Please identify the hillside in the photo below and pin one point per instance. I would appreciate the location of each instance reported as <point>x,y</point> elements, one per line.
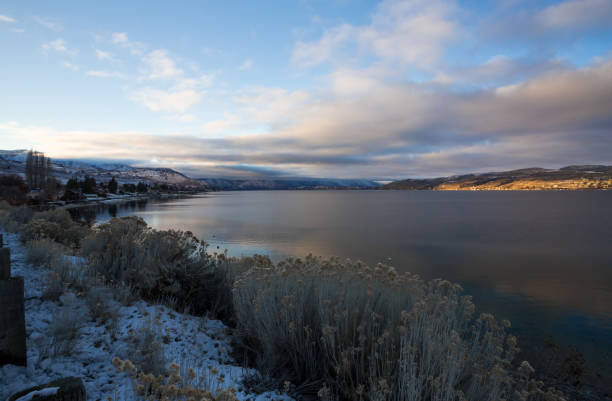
<point>236,184</point>
<point>566,178</point>
<point>13,162</point>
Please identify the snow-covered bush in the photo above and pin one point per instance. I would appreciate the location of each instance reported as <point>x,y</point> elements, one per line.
<point>44,252</point>
<point>178,383</point>
<point>65,328</point>
<point>157,264</point>
<point>12,218</point>
<point>55,225</point>
<point>358,333</point>
<point>146,350</point>
<point>102,307</point>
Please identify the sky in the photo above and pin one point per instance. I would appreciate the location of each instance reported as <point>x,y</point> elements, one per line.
<point>337,88</point>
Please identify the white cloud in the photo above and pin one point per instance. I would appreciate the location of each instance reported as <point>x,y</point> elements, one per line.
<point>161,66</point>
<point>102,55</point>
<point>312,53</point>
<point>168,101</point>
<point>119,38</point>
<point>412,32</point>
<point>246,65</point>
<point>58,45</point>
<point>6,18</point>
<point>106,74</point>
<point>50,23</point>
<point>575,14</point>
<point>203,81</point>
<point>184,118</point>
<point>70,66</point>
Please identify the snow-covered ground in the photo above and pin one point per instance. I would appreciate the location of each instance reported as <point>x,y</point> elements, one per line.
<point>189,341</point>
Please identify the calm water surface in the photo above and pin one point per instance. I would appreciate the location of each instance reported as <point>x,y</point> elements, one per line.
<point>541,259</point>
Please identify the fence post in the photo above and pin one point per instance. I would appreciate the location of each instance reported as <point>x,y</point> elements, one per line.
<point>12,314</point>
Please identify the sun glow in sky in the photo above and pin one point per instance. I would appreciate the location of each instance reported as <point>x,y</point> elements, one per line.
<point>338,88</point>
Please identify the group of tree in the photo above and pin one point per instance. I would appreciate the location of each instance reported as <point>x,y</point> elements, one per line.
<point>39,173</point>
<point>87,185</point>
<point>141,187</point>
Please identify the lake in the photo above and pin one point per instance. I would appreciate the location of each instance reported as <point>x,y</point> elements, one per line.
<point>543,260</point>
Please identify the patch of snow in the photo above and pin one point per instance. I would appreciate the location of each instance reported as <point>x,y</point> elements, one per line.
<point>43,393</point>
<point>190,341</point>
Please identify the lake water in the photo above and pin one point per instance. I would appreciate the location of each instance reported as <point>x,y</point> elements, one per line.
<point>543,260</point>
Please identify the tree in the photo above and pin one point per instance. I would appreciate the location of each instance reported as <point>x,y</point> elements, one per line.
<point>73,184</point>
<point>88,185</point>
<point>29,168</point>
<point>142,187</point>
<point>112,186</point>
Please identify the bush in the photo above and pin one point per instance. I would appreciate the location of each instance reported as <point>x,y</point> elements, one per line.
<point>65,273</point>
<point>158,264</point>
<point>13,189</point>
<point>357,333</point>
<point>44,252</point>
<point>12,218</point>
<point>102,307</point>
<point>146,350</point>
<point>178,383</point>
<point>55,225</point>
<point>64,332</point>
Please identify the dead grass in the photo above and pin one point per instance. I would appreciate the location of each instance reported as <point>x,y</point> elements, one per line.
<point>358,333</point>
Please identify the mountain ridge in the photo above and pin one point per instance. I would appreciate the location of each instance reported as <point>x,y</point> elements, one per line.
<point>573,177</point>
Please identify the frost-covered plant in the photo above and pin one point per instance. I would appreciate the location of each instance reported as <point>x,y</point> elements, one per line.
<point>12,218</point>
<point>177,383</point>
<point>55,225</point>
<point>366,333</point>
<point>64,273</point>
<point>146,349</point>
<point>158,265</point>
<point>102,307</point>
<point>64,331</point>
<point>44,252</point>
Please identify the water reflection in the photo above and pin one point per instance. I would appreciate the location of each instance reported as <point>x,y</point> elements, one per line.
<point>540,259</point>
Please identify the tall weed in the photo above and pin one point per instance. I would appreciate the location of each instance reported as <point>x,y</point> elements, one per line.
<point>358,333</point>
<point>158,265</point>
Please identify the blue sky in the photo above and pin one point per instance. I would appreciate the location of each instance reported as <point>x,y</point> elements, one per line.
<point>341,88</point>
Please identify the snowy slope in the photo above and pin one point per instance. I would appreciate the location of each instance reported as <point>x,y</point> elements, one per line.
<point>13,162</point>
<point>195,342</point>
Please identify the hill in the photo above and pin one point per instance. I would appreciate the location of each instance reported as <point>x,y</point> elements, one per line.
<point>252,184</point>
<point>566,178</point>
<point>13,162</point>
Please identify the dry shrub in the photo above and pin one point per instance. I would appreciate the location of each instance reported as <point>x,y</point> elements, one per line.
<point>358,333</point>
<point>12,218</point>
<point>102,307</point>
<point>44,252</point>
<point>55,225</point>
<point>64,332</point>
<point>65,273</point>
<point>158,265</point>
<point>177,383</point>
<point>146,350</point>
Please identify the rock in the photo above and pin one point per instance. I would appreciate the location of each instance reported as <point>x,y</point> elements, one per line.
<point>66,389</point>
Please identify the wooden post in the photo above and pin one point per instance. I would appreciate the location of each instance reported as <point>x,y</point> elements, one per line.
<point>12,314</point>
<point>5,264</point>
